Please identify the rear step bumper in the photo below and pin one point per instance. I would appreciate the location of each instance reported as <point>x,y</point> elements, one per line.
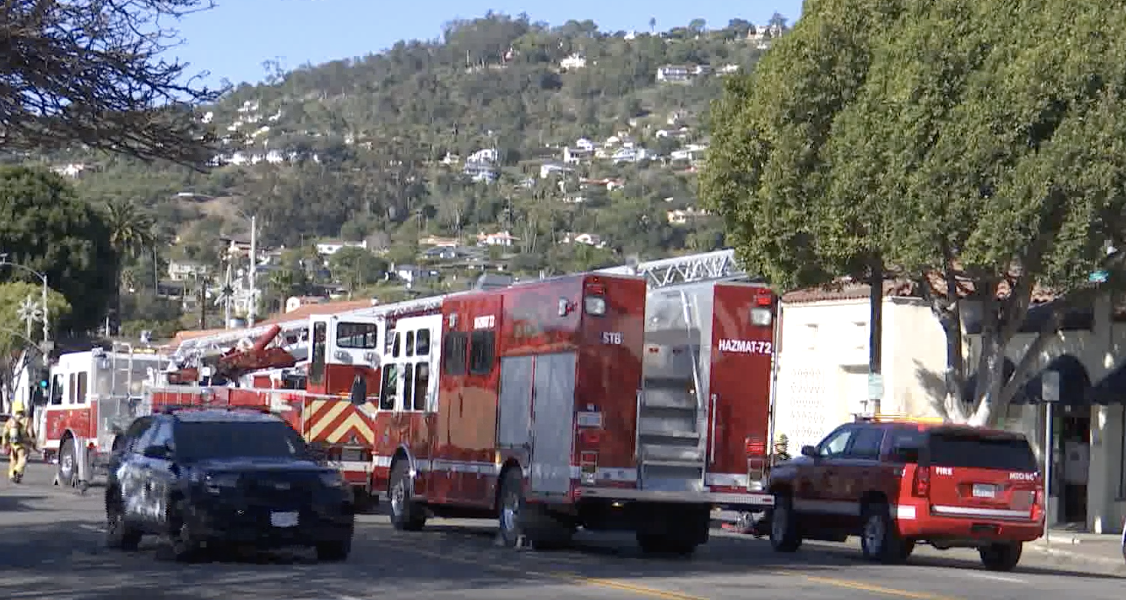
<point>986,525</point>
<point>749,499</point>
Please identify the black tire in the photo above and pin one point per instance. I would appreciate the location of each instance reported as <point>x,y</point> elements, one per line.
<point>784,533</point>
<point>1001,557</point>
<point>879,539</point>
<point>334,551</point>
<point>406,515</point>
<point>68,464</point>
<point>510,508</point>
<point>119,535</point>
<point>182,539</point>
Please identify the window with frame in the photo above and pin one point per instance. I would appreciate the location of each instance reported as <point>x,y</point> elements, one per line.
<point>389,390</point>
<point>867,443</point>
<point>408,386</point>
<point>395,345</point>
<point>835,444</point>
<point>80,393</point>
<point>482,347</point>
<point>317,365</point>
<point>410,343</point>
<point>422,343</point>
<point>134,433</point>
<point>146,438</point>
<point>454,353</point>
<point>905,445</point>
<point>421,385</point>
<point>56,390</point>
<point>362,336</point>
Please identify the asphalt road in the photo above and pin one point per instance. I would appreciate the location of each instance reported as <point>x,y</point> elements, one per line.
<point>51,546</point>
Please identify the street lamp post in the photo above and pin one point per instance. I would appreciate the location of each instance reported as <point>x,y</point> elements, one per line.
<point>46,326</point>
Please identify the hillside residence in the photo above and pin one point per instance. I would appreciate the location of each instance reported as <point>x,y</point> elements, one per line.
<point>181,270</point>
<point>683,216</point>
<point>577,154</point>
<point>572,62</point>
<point>237,245</point>
<point>72,170</point>
<point>674,74</point>
<point>630,155</point>
<point>761,36</point>
<point>434,240</point>
<point>330,247</point>
<point>484,155</point>
<point>481,172</point>
<point>608,184</point>
<point>452,253</point>
<point>450,159</point>
<point>589,239</point>
<point>691,152</point>
<point>550,169</point>
<point>411,274</point>
<point>502,238</point>
<point>727,69</point>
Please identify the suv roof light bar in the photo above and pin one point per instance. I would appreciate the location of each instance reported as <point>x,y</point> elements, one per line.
<point>889,418</point>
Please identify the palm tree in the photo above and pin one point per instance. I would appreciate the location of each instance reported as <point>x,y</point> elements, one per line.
<point>131,233</point>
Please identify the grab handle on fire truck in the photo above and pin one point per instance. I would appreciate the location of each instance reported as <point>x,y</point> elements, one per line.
<point>711,436</point>
<point>637,432</point>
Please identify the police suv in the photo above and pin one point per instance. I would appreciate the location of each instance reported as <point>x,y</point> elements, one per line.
<point>205,479</point>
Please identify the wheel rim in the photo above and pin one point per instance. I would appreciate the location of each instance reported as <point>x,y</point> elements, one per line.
<point>778,522</point>
<point>66,465</point>
<point>510,514</point>
<point>398,498</point>
<point>874,533</point>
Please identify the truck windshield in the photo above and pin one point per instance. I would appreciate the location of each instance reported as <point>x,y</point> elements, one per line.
<point>961,450</point>
<point>211,440</point>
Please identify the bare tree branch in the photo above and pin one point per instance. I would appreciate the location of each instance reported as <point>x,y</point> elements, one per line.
<point>91,72</point>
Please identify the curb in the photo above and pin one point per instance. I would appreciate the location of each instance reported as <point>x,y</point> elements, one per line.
<point>1077,556</point>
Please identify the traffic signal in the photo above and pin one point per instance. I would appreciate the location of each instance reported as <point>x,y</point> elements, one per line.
<point>43,384</point>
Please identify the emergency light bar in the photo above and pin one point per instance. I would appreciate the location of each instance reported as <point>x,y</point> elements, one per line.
<point>887,418</point>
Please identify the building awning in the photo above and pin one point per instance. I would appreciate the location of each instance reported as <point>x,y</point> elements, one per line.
<point>1110,389</point>
<point>1075,383</point>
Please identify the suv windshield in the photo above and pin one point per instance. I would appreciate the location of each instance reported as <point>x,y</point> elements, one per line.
<point>208,440</point>
<point>962,450</point>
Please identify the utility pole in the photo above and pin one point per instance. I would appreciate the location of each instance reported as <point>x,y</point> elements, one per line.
<point>252,308</point>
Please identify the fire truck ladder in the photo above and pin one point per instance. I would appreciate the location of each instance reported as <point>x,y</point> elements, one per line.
<point>692,268</point>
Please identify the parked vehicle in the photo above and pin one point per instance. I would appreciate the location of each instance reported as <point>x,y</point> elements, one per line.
<point>897,483</point>
<point>213,478</point>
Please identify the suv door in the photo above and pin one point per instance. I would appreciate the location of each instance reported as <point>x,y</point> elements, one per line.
<point>161,473</point>
<point>858,473</point>
<point>123,444</point>
<point>814,496</point>
<point>131,474</point>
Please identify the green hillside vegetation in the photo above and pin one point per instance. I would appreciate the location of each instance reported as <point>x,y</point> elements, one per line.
<point>378,148</point>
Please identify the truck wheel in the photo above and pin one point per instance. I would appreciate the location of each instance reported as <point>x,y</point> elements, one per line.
<point>1001,557</point>
<point>182,538</point>
<point>119,535</point>
<point>406,515</point>
<point>784,533</point>
<point>510,508</point>
<point>68,464</point>
<point>879,540</point>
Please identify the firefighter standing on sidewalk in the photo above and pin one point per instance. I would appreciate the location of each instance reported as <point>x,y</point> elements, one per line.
<point>18,441</point>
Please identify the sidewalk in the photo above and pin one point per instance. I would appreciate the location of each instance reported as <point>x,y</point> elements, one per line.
<point>1104,550</point>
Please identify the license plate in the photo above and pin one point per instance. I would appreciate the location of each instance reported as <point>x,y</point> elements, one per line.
<point>984,491</point>
<point>283,519</point>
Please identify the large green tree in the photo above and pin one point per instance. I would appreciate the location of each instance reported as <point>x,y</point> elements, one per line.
<point>978,148</point>
<point>43,226</point>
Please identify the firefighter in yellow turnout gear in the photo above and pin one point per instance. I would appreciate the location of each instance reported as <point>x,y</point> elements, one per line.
<point>18,441</point>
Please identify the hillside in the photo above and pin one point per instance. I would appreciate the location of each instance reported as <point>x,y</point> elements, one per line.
<point>580,144</point>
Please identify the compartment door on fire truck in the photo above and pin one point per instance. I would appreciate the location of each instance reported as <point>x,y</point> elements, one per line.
<point>553,413</point>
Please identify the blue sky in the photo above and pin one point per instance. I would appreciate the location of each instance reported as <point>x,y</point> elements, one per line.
<point>234,39</point>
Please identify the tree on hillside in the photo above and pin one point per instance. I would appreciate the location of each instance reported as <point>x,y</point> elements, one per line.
<point>17,349</point>
<point>356,267</point>
<point>975,147</point>
<point>45,227</point>
<point>91,72</point>
<point>131,232</point>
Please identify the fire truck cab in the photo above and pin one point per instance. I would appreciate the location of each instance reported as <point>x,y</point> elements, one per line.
<point>93,396</point>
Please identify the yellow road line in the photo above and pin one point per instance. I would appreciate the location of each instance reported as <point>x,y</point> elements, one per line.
<point>671,595</point>
<point>608,583</point>
<point>866,587</point>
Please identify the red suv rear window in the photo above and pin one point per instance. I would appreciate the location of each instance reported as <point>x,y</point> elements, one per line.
<point>948,449</point>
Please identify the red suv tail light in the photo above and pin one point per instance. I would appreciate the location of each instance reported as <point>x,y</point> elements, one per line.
<point>922,483</point>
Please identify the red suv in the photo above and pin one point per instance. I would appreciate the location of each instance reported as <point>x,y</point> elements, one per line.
<point>897,482</point>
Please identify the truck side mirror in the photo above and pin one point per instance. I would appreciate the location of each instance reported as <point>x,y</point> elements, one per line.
<point>809,451</point>
<point>359,394</point>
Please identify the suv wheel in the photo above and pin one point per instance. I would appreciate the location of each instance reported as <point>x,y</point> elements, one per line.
<point>1001,557</point>
<point>879,539</point>
<point>334,551</point>
<point>784,534</point>
<point>405,514</point>
<point>184,542</point>
<point>119,534</point>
